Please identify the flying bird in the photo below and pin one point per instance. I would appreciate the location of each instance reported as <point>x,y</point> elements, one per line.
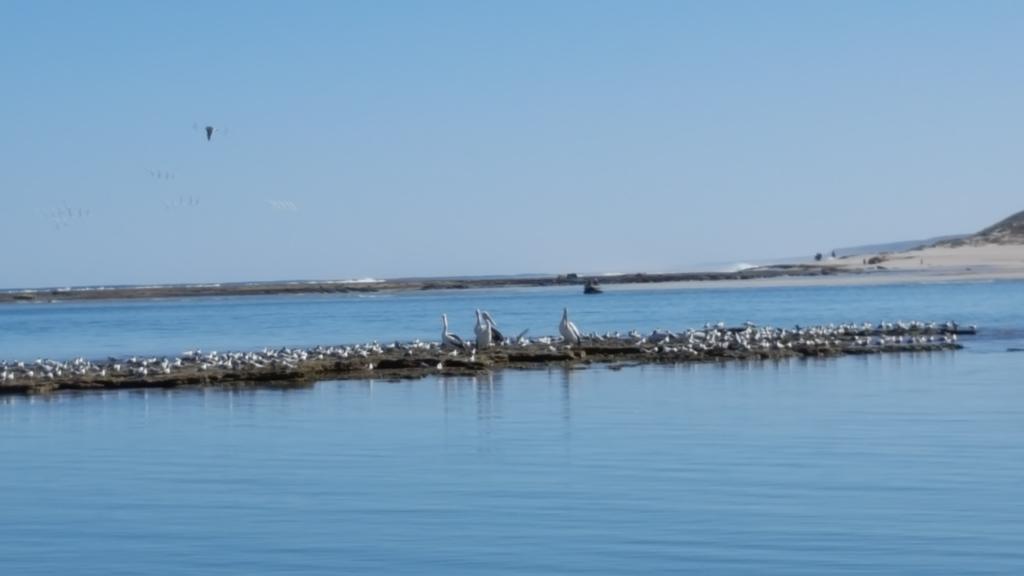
<point>284,205</point>
<point>209,130</point>
<point>161,174</point>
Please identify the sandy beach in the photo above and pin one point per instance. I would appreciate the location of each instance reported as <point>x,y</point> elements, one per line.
<point>943,263</point>
<point>938,264</point>
<point>969,263</point>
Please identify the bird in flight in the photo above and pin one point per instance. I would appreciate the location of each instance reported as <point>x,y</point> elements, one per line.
<point>209,130</point>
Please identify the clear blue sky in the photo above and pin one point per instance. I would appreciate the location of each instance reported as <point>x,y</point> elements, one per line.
<point>436,138</point>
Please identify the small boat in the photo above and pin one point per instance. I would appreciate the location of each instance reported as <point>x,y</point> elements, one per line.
<point>591,287</point>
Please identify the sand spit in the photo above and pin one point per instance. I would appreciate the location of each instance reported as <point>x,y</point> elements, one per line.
<point>284,366</point>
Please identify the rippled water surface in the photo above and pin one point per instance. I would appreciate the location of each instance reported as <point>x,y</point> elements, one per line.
<point>96,329</point>
<point>906,464</point>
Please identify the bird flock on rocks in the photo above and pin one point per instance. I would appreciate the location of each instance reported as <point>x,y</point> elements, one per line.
<point>710,339</point>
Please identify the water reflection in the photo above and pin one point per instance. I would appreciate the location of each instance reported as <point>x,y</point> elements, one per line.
<point>164,327</point>
<point>775,467</point>
<point>565,380</point>
<point>488,396</point>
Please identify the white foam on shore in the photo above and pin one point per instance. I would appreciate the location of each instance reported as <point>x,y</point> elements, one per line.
<point>352,281</point>
<point>740,267</point>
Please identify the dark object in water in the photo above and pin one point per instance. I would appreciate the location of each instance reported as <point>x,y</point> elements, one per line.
<point>209,133</point>
<point>591,287</point>
<point>1015,349</point>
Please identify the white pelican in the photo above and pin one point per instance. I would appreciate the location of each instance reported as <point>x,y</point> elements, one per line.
<point>496,335</point>
<point>483,331</point>
<point>447,338</point>
<point>570,333</point>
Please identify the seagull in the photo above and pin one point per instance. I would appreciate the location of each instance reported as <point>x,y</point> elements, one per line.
<point>570,333</point>
<point>447,338</point>
<point>483,331</point>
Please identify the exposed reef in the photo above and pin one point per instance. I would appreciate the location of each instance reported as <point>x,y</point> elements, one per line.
<point>274,367</point>
<point>358,287</point>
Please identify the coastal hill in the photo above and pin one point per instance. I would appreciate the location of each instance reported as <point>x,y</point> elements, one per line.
<point>1006,231</point>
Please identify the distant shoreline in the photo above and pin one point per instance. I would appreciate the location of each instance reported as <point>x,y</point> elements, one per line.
<point>404,285</point>
<point>932,264</point>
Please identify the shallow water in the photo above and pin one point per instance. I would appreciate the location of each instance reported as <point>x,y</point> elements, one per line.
<point>905,464</point>
<point>908,464</point>
<point>165,327</point>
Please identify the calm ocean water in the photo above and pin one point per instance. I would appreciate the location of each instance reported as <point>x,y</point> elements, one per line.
<point>99,329</point>
<point>909,464</point>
